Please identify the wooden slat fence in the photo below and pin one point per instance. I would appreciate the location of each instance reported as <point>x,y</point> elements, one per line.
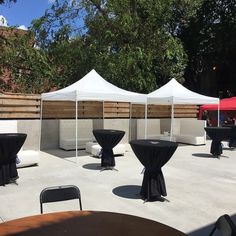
<point>164,111</point>
<point>66,109</point>
<point>19,106</point>
<point>24,106</point>
<point>116,110</point>
<point>186,111</point>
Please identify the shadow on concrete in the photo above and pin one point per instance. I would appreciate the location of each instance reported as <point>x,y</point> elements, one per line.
<point>207,229</point>
<point>223,156</point>
<point>128,191</point>
<point>183,144</point>
<point>92,166</point>
<point>229,148</point>
<point>206,155</point>
<point>65,154</point>
<point>203,155</point>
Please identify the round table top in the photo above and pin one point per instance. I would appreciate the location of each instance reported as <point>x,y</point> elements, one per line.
<point>153,153</point>
<point>153,143</point>
<point>12,135</point>
<point>218,133</point>
<point>85,223</point>
<point>217,128</point>
<point>10,145</point>
<point>108,138</point>
<point>108,131</point>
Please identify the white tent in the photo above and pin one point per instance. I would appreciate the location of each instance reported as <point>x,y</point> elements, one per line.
<point>92,87</point>
<point>174,93</point>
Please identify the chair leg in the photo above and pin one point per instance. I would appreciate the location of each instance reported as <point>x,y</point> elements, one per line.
<point>41,208</point>
<point>213,230</point>
<point>80,204</point>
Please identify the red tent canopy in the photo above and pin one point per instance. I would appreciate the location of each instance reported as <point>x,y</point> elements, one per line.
<point>226,104</point>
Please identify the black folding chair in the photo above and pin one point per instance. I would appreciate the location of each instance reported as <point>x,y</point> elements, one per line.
<point>59,193</point>
<point>225,226</point>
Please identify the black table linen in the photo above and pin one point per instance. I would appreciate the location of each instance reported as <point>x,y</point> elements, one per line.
<point>232,136</point>
<point>10,145</point>
<point>217,134</point>
<point>108,139</point>
<point>153,154</point>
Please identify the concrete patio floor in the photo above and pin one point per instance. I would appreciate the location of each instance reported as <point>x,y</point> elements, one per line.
<point>200,188</point>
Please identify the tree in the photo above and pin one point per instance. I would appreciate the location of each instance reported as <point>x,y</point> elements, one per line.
<point>130,38</point>
<point>30,68</point>
<point>7,1</point>
<point>132,43</point>
<point>210,42</point>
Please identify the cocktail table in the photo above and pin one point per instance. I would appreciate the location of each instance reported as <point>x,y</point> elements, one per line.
<point>217,134</point>
<point>232,136</point>
<point>153,154</point>
<point>108,139</point>
<point>86,223</point>
<point>10,145</point>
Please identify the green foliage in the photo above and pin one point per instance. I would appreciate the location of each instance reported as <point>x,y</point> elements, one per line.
<point>210,40</point>
<point>58,23</point>
<point>132,43</point>
<point>31,68</point>
<point>7,1</point>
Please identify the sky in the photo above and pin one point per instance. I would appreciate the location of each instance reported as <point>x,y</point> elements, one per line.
<point>24,11</point>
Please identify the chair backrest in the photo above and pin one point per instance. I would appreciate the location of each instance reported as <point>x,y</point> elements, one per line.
<point>225,226</point>
<point>59,193</point>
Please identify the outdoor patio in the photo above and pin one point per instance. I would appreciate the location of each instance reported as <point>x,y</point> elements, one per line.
<point>199,188</point>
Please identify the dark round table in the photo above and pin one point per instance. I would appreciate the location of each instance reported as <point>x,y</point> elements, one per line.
<point>86,223</point>
<point>217,134</point>
<point>232,136</point>
<point>153,154</point>
<point>10,145</point>
<point>108,139</point>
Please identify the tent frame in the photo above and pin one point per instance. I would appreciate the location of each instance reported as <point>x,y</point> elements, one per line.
<point>92,87</point>
<point>174,93</point>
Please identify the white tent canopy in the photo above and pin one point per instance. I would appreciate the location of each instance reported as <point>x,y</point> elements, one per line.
<point>92,87</point>
<point>174,93</point>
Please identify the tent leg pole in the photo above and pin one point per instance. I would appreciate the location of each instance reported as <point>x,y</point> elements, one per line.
<point>103,114</point>
<point>171,123</point>
<point>130,123</point>
<point>41,120</point>
<point>145,125</point>
<point>76,129</point>
<point>218,115</point>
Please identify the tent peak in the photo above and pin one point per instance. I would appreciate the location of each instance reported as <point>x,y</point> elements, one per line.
<point>174,92</point>
<point>94,88</point>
